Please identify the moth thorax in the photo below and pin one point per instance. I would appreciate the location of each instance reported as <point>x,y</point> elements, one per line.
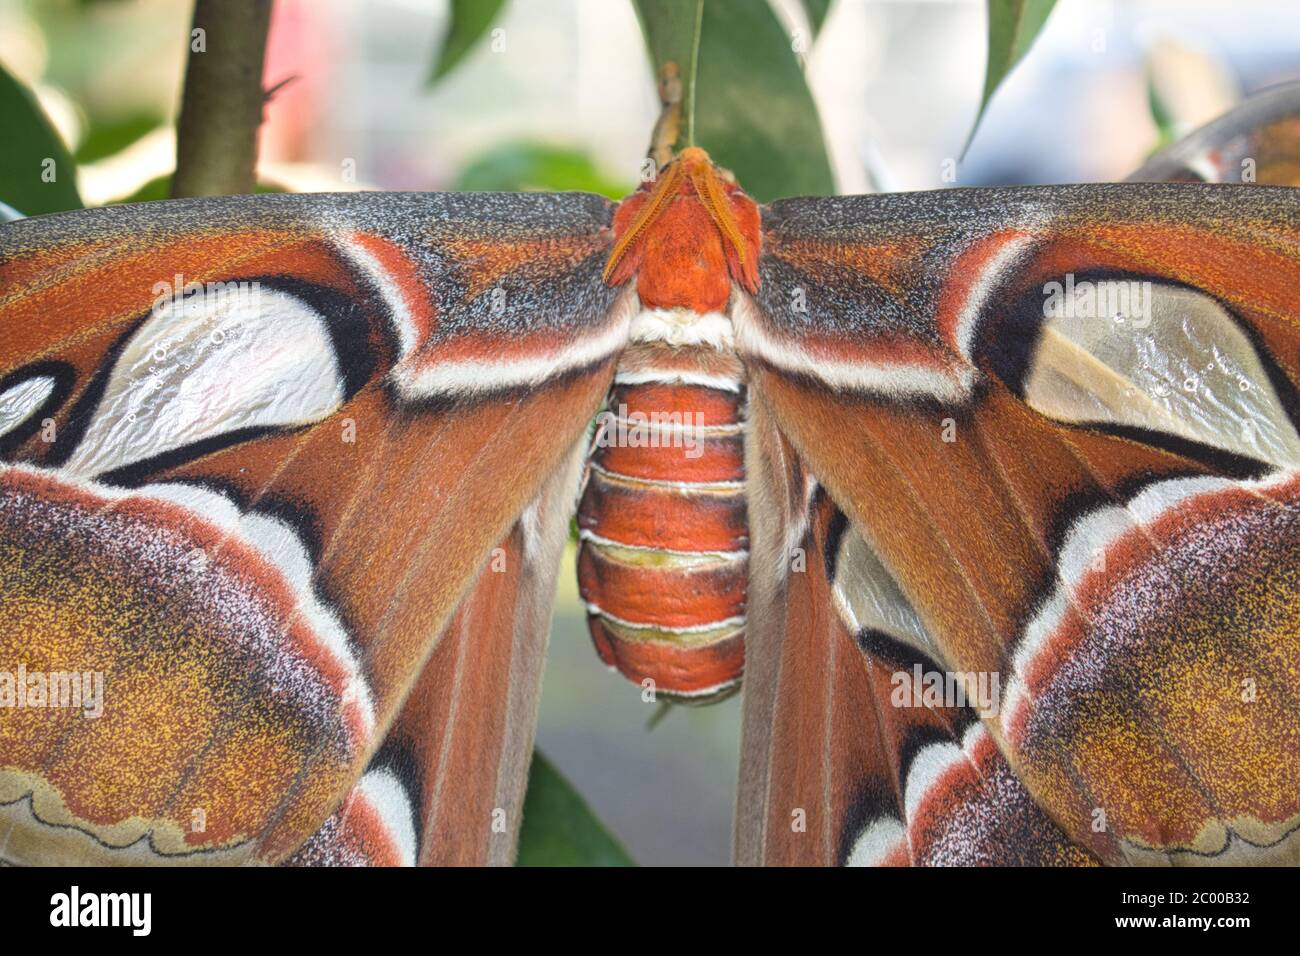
<point>684,327</point>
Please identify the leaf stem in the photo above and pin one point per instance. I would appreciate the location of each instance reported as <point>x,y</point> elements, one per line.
<point>694,74</point>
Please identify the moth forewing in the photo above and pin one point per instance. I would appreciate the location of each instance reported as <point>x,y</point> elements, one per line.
<point>302,506</point>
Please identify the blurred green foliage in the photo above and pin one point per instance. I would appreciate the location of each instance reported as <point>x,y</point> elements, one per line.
<point>559,828</point>
<point>1166,133</point>
<point>470,20</point>
<point>109,137</point>
<point>744,100</point>
<point>816,11</point>
<point>744,97</point>
<point>36,173</point>
<point>1013,27</point>
<point>534,166</point>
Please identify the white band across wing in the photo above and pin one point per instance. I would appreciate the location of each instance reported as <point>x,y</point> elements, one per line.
<point>898,380</point>
<point>425,379</point>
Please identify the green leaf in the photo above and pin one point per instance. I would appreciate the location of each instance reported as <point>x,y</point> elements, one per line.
<point>559,828</point>
<point>744,97</point>
<point>536,166</point>
<point>470,19</point>
<point>816,11</point>
<point>1160,116</point>
<point>31,154</point>
<point>1013,27</point>
<point>672,33</point>
<point>108,139</point>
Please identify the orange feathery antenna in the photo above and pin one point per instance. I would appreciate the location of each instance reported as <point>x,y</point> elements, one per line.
<point>692,165</point>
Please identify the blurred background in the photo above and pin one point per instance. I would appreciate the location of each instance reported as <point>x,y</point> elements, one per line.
<point>562,97</point>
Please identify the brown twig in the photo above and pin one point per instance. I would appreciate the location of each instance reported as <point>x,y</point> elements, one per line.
<point>221,108</point>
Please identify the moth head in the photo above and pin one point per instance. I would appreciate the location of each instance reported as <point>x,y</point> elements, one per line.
<point>690,199</point>
<point>695,160</point>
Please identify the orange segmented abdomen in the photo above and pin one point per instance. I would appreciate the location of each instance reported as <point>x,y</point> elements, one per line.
<point>663,559</point>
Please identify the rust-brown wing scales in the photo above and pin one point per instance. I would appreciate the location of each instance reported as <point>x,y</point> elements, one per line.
<point>1093,499</point>
<point>272,496</point>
